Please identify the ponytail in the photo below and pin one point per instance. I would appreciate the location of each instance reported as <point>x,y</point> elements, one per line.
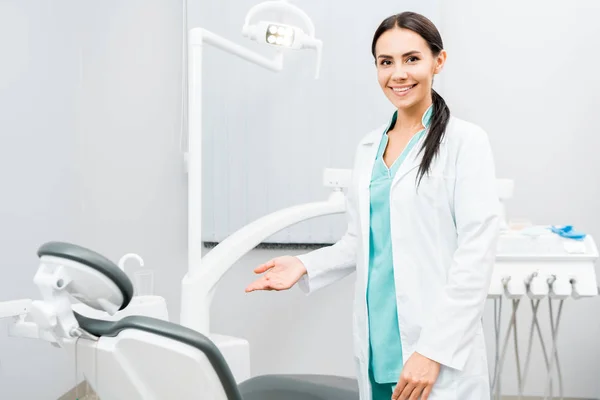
<point>437,129</point>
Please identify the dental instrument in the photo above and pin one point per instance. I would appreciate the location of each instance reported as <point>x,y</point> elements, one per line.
<point>534,325</point>
<point>497,323</point>
<point>537,290</point>
<point>558,290</point>
<point>513,290</point>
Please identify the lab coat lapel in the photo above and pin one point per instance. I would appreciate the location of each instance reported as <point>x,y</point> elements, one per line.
<point>412,161</point>
<point>368,149</point>
<point>414,157</point>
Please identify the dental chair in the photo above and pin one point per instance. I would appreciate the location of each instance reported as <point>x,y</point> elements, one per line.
<point>140,357</point>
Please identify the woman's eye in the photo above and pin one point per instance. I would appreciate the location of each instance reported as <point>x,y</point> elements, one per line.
<point>411,59</point>
<point>386,62</point>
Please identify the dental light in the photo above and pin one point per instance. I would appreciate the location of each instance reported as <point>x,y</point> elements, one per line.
<point>282,35</point>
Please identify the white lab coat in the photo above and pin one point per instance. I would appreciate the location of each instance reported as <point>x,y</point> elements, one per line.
<point>444,242</point>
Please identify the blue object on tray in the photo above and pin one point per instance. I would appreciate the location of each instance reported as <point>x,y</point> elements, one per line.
<point>568,232</point>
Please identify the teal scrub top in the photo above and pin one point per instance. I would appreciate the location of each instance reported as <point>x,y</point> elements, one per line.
<point>385,344</point>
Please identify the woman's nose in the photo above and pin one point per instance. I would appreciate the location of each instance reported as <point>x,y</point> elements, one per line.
<point>399,74</point>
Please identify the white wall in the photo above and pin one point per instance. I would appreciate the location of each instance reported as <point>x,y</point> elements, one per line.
<point>97,86</point>
<point>38,176</point>
<point>90,94</point>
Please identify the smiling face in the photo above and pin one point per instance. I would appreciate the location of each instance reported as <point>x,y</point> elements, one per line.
<point>405,67</point>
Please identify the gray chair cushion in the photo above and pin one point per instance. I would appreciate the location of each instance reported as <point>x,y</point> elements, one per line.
<point>299,387</point>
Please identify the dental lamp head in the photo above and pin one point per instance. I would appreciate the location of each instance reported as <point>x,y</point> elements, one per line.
<point>280,35</point>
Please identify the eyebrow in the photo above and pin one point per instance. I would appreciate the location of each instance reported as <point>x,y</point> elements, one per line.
<point>410,53</point>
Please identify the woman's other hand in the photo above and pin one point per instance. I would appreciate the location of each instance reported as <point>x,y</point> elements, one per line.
<point>417,378</point>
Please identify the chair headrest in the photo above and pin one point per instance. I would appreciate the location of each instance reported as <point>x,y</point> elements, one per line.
<point>93,260</point>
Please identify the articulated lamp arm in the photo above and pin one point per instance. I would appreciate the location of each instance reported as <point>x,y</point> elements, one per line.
<point>198,286</point>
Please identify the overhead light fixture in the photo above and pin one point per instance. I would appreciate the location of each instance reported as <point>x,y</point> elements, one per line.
<point>281,35</point>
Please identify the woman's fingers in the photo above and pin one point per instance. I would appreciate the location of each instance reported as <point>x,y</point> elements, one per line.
<point>267,281</point>
<point>426,392</point>
<point>270,281</point>
<point>264,267</point>
<point>261,283</point>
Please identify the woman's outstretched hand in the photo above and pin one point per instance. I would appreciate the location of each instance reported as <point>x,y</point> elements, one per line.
<point>280,273</point>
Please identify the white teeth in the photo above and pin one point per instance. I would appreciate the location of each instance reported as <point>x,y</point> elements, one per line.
<point>402,89</point>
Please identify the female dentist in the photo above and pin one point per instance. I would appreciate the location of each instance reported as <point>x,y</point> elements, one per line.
<point>423,223</point>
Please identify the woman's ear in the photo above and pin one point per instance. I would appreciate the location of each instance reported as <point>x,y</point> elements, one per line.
<point>440,61</point>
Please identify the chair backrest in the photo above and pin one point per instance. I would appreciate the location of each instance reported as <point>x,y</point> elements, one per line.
<point>148,358</point>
